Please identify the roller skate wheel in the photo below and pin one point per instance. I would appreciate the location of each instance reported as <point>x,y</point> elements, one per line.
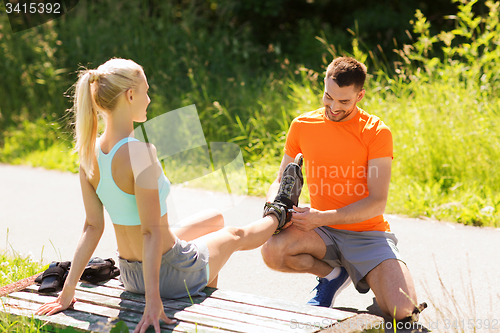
<point>299,159</point>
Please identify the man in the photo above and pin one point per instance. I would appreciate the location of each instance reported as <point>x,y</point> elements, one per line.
<point>347,158</point>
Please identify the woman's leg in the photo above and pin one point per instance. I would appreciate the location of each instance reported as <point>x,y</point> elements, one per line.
<point>199,224</point>
<point>223,243</point>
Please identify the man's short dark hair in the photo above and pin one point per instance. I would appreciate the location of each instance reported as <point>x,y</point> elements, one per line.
<point>346,71</point>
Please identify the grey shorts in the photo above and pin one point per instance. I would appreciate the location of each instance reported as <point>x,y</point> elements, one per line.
<point>186,261</point>
<point>358,252</point>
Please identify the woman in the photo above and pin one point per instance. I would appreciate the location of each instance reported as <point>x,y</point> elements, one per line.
<point>124,175</point>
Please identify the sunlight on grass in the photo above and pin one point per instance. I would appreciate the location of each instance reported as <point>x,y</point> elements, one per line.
<point>14,267</point>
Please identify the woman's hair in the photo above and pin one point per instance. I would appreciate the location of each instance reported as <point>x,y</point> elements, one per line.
<point>96,91</point>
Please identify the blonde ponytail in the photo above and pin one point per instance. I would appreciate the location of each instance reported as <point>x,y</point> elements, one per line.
<point>86,122</point>
<point>97,91</point>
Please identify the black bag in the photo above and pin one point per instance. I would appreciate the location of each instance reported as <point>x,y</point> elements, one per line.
<point>52,280</point>
<point>97,270</point>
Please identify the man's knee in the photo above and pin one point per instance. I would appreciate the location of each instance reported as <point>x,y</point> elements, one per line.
<point>272,254</point>
<point>393,287</point>
<point>278,254</point>
<point>276,251</point>
<point>401,307</point>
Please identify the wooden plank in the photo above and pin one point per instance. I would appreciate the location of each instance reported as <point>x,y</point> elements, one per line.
<point>18,285</point>
<point>226,310</point>
<point>63,320</point>
<point>27,303</point>
<point>78,320</point>
<point>243,318</point>
<point>138,308</point>
<point>359,323</point>
<point>265,312</point>
<point>80,306</point>
<point>98,299</point>
<point>114,283</point>
<point>243,312</point>
<point>272,303</point>
<point>294,315</point>
<point>296,311</point>
<point>201,317</point>
<point>203,311</point>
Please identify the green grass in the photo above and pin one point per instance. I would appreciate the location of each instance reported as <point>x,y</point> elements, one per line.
<point>14,324</point>
<point>14,267</point>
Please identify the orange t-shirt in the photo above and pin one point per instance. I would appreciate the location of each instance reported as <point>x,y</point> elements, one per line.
<point>336,158</point>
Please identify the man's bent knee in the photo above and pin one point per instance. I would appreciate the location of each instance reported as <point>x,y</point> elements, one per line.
<point>272,254</point>
<point>393,287</point>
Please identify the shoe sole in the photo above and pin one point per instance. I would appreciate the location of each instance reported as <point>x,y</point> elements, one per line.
<point>299,160</point>
<point>291,175</point>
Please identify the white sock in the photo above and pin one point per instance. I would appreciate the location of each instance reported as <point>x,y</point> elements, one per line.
<point>333,274</point>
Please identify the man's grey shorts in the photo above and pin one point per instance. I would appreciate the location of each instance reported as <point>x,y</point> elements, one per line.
<point>358,252</point>
<point>184,261</point>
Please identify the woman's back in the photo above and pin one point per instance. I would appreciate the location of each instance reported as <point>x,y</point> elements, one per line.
<point>113,180</point>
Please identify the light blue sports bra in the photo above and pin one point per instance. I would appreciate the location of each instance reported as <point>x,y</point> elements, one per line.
<point>121,206</point>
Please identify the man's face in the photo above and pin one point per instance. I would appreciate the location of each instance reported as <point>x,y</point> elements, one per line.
<point>340,103</point>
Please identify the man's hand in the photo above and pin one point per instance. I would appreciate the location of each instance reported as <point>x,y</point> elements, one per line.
<point>153,313</point>
<point>306,219</point>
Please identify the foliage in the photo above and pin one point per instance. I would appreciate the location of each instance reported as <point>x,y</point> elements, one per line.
<point>38,143</point>
<point>15,324</point>
<point>289,24</point>
<point>16,267</point>
<point>33,80</point>
<point>446,126</point>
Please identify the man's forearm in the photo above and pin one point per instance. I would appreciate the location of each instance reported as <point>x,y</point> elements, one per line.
<point>358,211</point>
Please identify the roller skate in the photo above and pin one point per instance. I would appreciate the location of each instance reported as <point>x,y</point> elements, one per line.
<point>288,193</point>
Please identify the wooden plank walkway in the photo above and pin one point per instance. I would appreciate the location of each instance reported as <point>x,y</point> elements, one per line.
<point>101,307</point>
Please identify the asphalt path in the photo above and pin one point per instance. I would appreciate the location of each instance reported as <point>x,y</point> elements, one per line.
<point>456,268</point>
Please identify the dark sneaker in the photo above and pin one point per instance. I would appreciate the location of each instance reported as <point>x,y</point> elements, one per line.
<point>327,291</point>
<point>288,193</point>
